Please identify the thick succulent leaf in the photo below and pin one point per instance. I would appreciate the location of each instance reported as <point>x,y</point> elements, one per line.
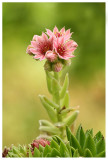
<point>51,112</point>
<point>49,81</point>
<point>36,152</point>
<point>65,101</point>
<point>75,144</point>
<point>10,154</point>
<point>54,144</point>
<point>30,153</point>
<point>100,146</point>
<point>76,154</point>
<point>41,148</point>
<point>87,153</point>
<point>65,86</point>
<point>90,144</point>
<point>23,150</point>
<point>63,150</point>
<point>98,136</point>
<point>89,131</point>
<point>72,150</point>
<point>73,141</point>
<point>55,153</point>
<point>51,103</point>
<point>57,139</point>
<point>80,135</point>
<point>71,118</point>
<point>45,123</point>
<point>102,154</point>
<point>55,88</point>
<point>68,133</point>
<point>52,130</point>
<point>69,148</point>
<point>46,150</point>
<point>67,110</point>
<point>78,132</point>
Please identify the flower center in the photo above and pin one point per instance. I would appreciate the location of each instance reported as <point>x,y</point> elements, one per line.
<point>61,50</point>
<point>58,34</point>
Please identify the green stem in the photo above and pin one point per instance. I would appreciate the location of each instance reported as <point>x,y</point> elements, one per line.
<point>57,100</point>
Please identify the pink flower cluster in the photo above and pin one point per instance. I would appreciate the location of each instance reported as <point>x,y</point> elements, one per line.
<point>52,45</point>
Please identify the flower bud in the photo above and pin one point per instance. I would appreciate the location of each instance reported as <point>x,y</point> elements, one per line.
<point>67,62</point>
<point>57,67</point>
<point>47,66</point>
<point>51,56</point>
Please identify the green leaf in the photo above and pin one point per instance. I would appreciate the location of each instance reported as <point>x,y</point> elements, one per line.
<point>90,144</point>
<point>89,131</point>
<point>68,133</point>
<point>78,132</point>
<point>51,112</point>
<point>10,154</point>
<point>69,148</point>
<point>65,101</point>
<point>55,89</point>
<point>30,153</point>
<point>87,153</point>
<point>41,148</point>
<point>36,152</point>
<point>63,150</point>
<point>46,150</point>
<point>100,146</point>
<point>23,150</point>
<point>73,141</point>
<point>102,154</point>
<point>82,137</point>
<point>65,86</point>
<point>54,144</point>
<point>57,139</point>
<point>75,144</point>
<point>45,123</point>
<point>98,136</point>
<point>49,81</point>
<point>51,103</point>
<point>55,153</point>
<point>72,150</point>
<point>67,110</point>
<point>76,154</point>
<point>71,118</point>
<point>52,130</point>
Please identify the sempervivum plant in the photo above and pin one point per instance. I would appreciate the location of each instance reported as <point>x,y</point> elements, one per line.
<point>79,145</point>
<point>57,48</point>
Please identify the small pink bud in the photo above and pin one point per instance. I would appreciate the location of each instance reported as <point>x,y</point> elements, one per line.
<point>47,66</point>
<point>57,67</point>
<point>51,56</point>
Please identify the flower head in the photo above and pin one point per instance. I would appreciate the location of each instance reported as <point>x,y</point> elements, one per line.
<point>64,49</point>
<point>51,56</point>
<point>41,44</point>
<point>62,33</point>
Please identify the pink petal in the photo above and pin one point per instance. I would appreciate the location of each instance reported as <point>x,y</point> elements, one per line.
<point>39,39</point>
<point>62,30</point>
<point>33,50</point>
<point>49,33</point>
<point>33,43</point>
<point>55,29</point>
<point>44,36</point>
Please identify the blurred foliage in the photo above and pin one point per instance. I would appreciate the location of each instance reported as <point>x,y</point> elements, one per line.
<point>24,78</point>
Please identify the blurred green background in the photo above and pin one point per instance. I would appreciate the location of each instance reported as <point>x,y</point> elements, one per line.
<point>24,78</point>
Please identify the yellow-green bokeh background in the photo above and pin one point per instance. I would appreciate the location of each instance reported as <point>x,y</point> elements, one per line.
<point>24,78</point>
